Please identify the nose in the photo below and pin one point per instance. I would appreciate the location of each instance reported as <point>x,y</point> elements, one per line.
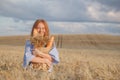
<point>40,30</point>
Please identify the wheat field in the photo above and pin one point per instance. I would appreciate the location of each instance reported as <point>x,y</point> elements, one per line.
<point>82,57</point>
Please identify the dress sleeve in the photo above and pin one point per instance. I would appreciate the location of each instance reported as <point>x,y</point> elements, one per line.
<point>54,54</point>
<point>27,54</point>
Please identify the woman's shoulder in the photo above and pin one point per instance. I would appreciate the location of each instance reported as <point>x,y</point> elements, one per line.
<point>28,41</point>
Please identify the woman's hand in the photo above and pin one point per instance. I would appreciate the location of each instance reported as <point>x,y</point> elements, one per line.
<point>41,60</point>
<point>48,62</point>
<point>38,53</point>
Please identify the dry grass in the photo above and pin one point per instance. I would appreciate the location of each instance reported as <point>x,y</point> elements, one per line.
<point>87,62</point>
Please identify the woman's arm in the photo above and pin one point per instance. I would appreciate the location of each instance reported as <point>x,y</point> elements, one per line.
<point>41,60</point>
<point>54,54</point>
<point>41,54</point>
<point>27,54</point>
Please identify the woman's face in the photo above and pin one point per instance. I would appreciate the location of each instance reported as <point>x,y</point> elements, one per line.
<point>41,29</point>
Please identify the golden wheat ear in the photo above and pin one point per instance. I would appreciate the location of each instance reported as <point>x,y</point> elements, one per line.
<point>35,33</point>
<point>50,42</point>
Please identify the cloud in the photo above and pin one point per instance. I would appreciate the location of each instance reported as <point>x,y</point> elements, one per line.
<point>84,28</point>
<point>86,16</point>
<point>102,13</point>
<point>114,4</point>
<point>65,27</point>
<point>8,25</point>
<point>21,27</point>
<point>63,10</point>
<point>50,10</point>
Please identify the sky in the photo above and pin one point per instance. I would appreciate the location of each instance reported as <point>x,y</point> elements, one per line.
<point>63,16</point>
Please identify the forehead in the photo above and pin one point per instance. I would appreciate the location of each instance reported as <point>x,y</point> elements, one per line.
<point>41,25</point>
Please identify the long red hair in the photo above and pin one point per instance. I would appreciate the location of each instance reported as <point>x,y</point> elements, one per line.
<point>36,24</point>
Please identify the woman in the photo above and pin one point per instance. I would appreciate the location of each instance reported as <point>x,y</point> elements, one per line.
<point>40,27</point>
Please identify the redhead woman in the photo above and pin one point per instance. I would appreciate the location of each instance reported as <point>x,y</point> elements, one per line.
<point>40,27</point>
